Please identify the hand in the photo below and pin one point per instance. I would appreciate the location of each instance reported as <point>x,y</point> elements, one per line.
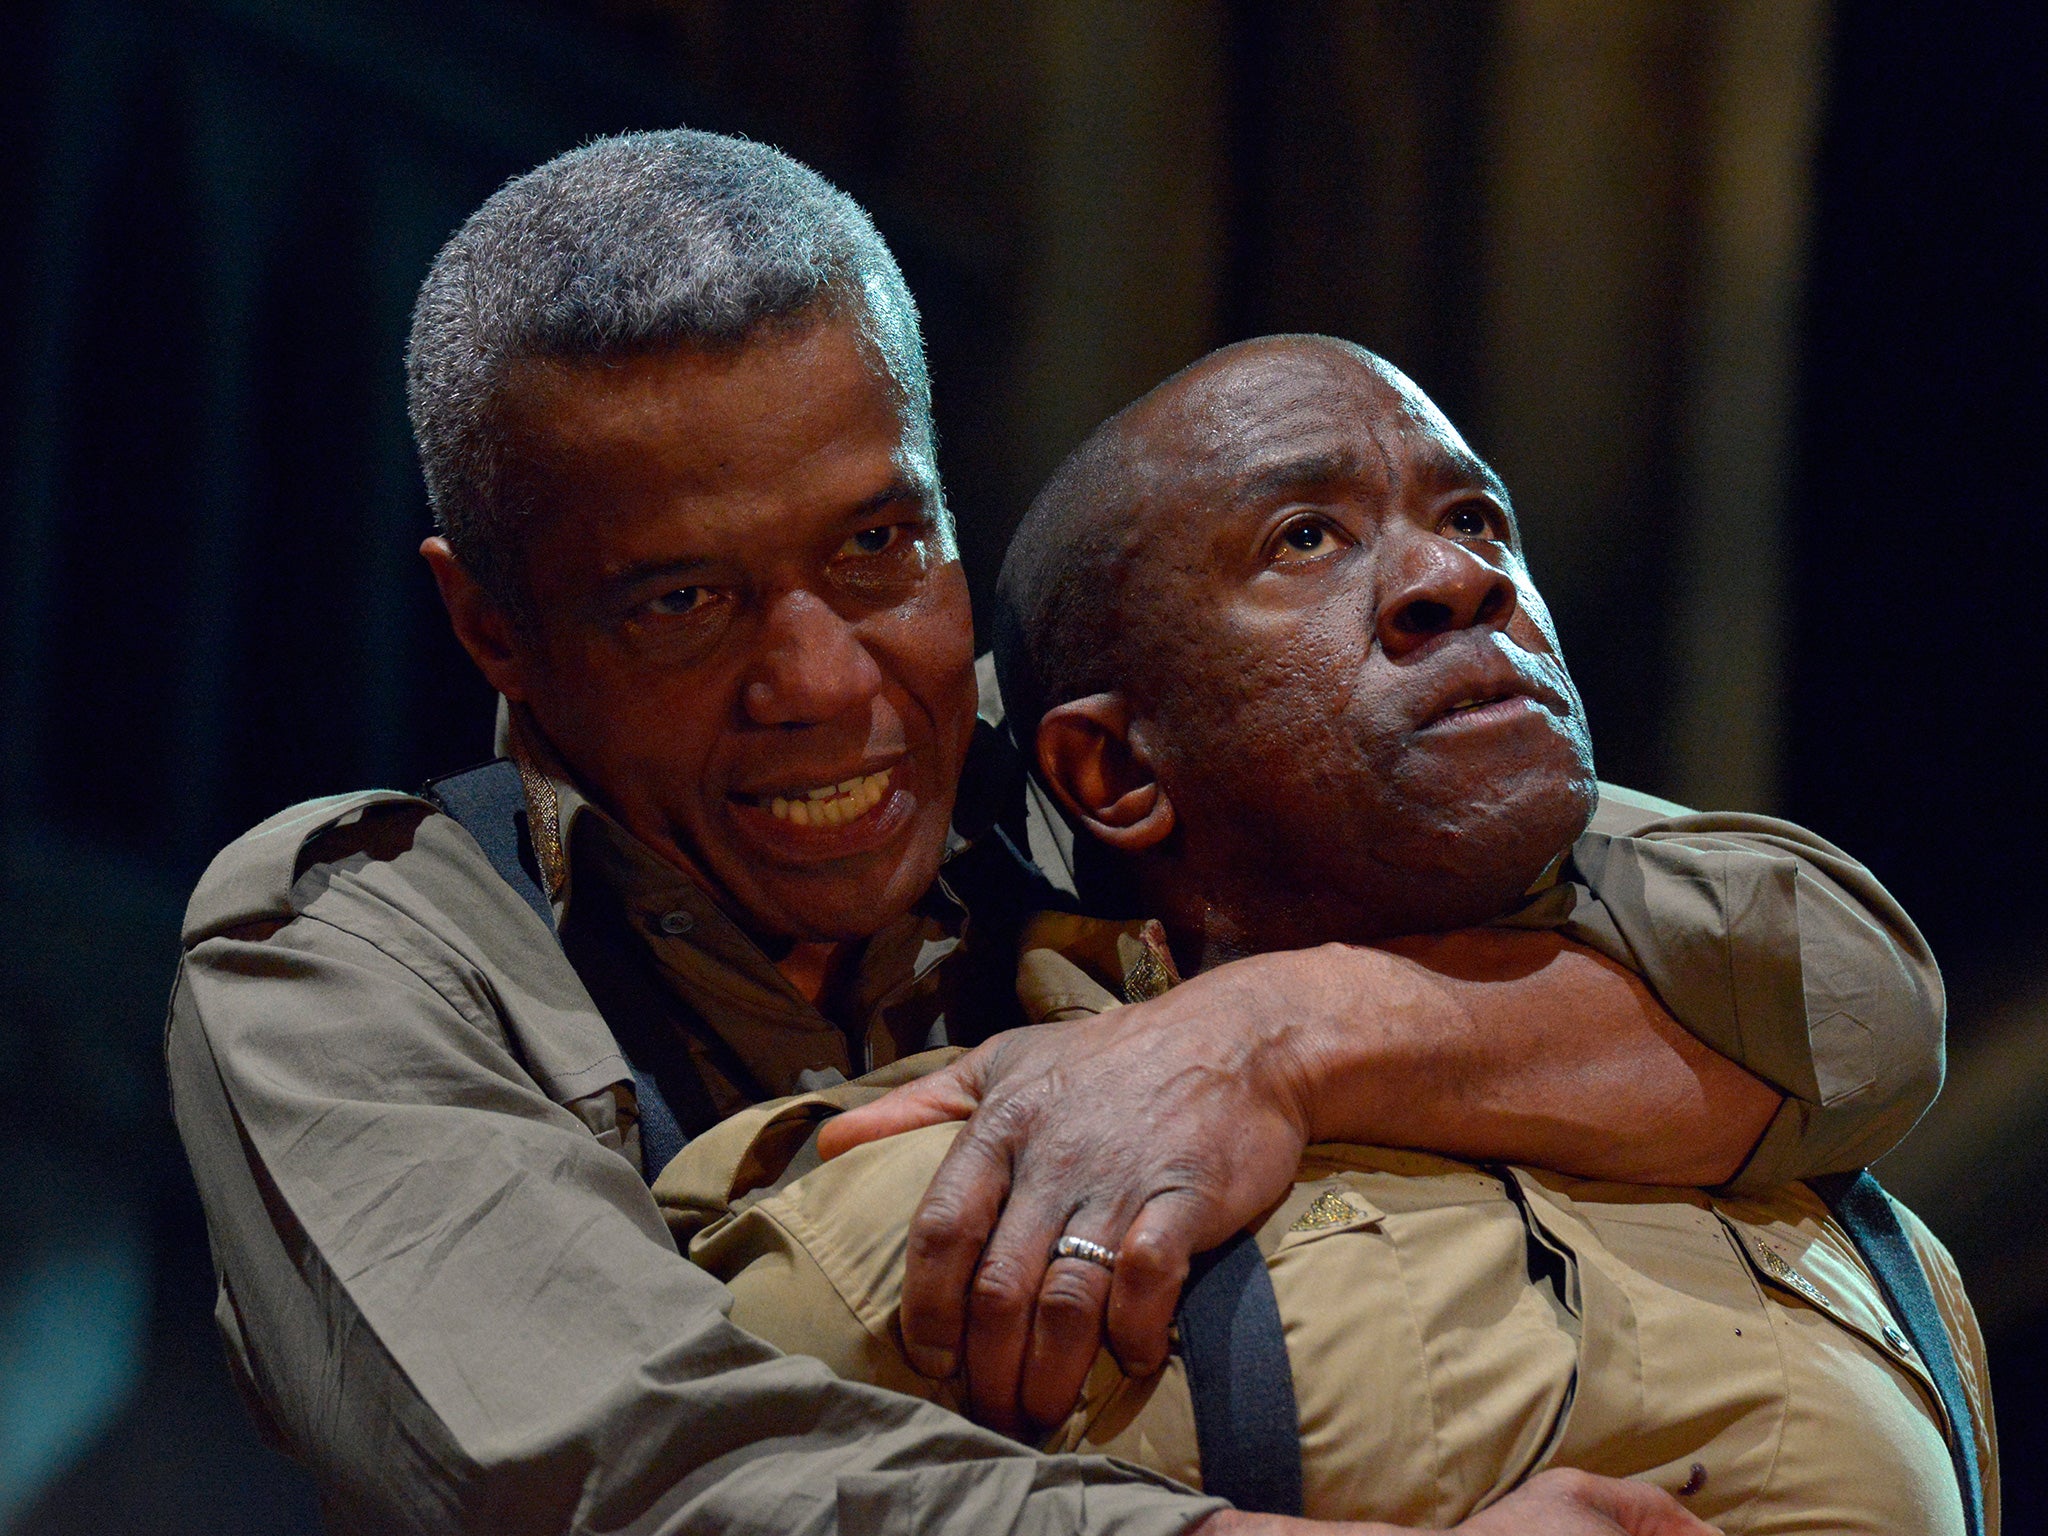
<point>1156,1130</point>
<point>1555,1503</point>
<point>1160,1129</point>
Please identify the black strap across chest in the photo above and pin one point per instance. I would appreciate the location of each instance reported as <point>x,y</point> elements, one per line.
<point>1865,1212</point>
<point>490,804</point>
<point>1246,1425</point>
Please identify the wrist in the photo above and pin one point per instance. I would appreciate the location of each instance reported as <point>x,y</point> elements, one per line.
<point>1349,1022</point>
<point>1384,1038</point>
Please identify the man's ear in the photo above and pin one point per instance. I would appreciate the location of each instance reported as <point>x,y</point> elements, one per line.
<point>1101,776</point>
<point>484,628</point>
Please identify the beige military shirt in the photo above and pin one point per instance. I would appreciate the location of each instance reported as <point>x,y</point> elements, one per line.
<point>443,1283</point>
<point>1452,1329</point>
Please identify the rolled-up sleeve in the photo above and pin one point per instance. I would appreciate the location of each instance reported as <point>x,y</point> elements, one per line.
<point>1779,951</point>
<point>464,1312</point>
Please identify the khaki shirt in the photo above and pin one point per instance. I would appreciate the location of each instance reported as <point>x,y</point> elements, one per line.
<point>445,1287</point>
<point>1452,1329</point>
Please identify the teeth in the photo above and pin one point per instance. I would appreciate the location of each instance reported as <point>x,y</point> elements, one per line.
<point>833,805</point>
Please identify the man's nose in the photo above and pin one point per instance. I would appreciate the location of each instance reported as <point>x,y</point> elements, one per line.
<point>1441,586</point>
<point>811,665</point>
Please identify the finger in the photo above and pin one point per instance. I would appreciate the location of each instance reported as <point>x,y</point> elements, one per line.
<point>1642,1509</point>
<point>951,1093</point>
<point>951,1225</point>
<point>1066,1323</point>
<point>1639,1509</point>
<point>1151,1268</point>
<point>1004,1299</point>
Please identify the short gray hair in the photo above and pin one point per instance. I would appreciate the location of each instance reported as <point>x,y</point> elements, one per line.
<point>629,245</point>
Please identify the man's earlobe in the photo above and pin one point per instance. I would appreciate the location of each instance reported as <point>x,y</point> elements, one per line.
<point>1101,775</point>
<point>482,626</point>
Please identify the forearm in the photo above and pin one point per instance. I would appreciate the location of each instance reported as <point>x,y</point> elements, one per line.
<point>1519,1047</point>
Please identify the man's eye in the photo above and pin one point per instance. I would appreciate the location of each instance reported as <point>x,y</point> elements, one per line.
<point>1470,523</point>
<point>1308,539</point>
<point>681,601</point>
<point>876,541</point>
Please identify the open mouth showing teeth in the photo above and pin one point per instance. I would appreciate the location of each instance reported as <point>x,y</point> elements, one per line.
<point>830,805</point>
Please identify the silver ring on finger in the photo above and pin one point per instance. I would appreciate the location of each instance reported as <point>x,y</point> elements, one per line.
<point>1071,1247</point>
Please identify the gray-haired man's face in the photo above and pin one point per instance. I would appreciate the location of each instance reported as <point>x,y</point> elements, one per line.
<point>753,643</point>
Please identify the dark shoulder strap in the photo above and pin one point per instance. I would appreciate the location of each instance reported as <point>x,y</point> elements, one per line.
<point>1865,1212</point>
<point>1247,1427</point>
<point>621,976</point>
<point>490,803</point>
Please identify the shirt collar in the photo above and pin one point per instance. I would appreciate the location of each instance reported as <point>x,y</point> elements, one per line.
<point>708,961</point>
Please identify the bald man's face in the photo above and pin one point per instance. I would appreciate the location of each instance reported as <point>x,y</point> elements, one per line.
<point>1358,709</point>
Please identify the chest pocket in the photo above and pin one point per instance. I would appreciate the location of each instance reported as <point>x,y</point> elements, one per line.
<point>1867,1434</point>
<point>1811,1261</point>
<point>1679,1367</point>
<point>1736,1354</point>
<point>1432,1330</point>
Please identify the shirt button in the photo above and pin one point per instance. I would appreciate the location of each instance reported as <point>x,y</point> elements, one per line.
<point>675,924</point>
<point>1896,1339</point>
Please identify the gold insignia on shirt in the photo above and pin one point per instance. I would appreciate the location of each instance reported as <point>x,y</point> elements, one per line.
<point>1148,963</point>
<point>1775,1266</point>
<point>543,805</point>
<point>544,820</point>
<point>1329,1209</point>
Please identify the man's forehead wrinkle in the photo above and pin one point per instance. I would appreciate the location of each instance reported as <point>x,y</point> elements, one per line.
<point>1240,433</point>
<point>1424,414</point>
<point>1439,451</point>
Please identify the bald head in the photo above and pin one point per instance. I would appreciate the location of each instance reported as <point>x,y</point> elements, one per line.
<point>1268,634</point>
<point>1076,580</point>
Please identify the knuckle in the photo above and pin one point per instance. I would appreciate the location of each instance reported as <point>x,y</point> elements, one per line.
<point>1152,1254</point>
<point>1068,1297</point>
<point>999,1291</point>
<point>1005,1116</point>
<point>936,1234</point>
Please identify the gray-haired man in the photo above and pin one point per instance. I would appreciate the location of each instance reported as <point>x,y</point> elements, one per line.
<point>671,402</point>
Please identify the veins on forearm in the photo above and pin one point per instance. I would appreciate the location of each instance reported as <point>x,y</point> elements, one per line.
<point>1517,1046</point>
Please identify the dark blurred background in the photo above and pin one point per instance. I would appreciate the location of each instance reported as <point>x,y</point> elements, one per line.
<point>1745,300</point>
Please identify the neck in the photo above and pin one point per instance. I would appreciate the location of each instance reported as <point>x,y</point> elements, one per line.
<point>1209,936</point>
<point>815,968</point>
<point>1254,919</point>
<point>1205,934</point>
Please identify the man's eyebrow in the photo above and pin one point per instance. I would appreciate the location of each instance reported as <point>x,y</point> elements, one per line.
<point>642,571</point>
<point>679,570</point>
<point>1306,469</point>
<point>1333,466</point>
<point>902,488</point>
<point>1470,466</point>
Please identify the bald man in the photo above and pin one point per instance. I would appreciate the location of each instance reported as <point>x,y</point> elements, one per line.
<point>1292,684</point>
